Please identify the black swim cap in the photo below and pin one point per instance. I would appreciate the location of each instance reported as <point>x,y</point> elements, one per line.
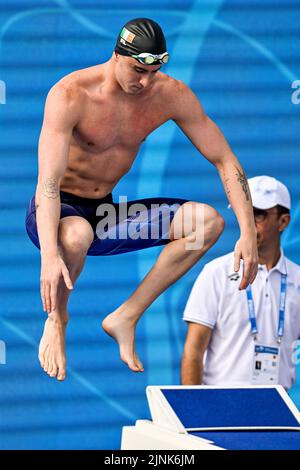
<point>141,35</point>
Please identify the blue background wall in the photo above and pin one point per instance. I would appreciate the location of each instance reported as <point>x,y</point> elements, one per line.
<point>240,57</point>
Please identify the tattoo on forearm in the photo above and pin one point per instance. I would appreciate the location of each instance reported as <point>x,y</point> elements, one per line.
<point>225,180</point>
<point>242,179</point>
<point>50,188</point>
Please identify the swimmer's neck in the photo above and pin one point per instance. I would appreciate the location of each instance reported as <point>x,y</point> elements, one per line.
<point>111,85</point>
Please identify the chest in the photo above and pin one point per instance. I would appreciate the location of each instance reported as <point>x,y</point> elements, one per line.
<point>234,307</point>
<point>117,124</point>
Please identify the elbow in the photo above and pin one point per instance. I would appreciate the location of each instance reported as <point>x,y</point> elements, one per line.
<point>227,159</point>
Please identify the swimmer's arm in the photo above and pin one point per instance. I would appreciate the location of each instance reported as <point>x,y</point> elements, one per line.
<point>209,140</point>
<point>60,117</point>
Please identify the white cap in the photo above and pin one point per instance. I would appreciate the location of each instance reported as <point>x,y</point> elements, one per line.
<point>267,192</point>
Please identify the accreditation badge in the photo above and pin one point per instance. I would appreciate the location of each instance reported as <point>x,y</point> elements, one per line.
<point>265,369</point>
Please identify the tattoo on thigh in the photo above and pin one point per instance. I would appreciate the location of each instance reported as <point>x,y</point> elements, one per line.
<point>50,188</point>
<point>242,179</point>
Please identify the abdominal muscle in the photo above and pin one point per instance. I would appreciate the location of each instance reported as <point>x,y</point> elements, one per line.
<point>94,174</point>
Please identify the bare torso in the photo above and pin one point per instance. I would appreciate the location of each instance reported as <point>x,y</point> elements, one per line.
<point>110,131</point>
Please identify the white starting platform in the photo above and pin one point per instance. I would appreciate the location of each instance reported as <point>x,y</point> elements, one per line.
<point>215,418</point>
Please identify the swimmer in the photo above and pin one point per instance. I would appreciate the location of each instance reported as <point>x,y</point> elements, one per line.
<point>95,121</point>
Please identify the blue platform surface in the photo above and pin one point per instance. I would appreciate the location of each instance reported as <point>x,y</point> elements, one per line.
<point>201,408</point>
<point>253,440</point>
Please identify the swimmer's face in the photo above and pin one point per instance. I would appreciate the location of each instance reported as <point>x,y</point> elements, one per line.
<point>133,77</point>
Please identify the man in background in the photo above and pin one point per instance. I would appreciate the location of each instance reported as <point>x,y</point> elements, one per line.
<point>247,337</point>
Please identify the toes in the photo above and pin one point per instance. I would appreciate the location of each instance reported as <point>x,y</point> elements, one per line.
<point>51,352</point>
<point>47,364</point>
<point>129,363</point>
<point>41,359</point>
<point>61,376</point>
<point>132,362</point>
<point>61,372</point>
<point>133,366</point>
<point>138,363</point>
<point>50,365</point>
<point>53,371</point>
<point>42,356</point>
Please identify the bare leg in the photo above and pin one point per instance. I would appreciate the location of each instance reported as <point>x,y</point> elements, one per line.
<point>75,236</point>
<point>174,261</point>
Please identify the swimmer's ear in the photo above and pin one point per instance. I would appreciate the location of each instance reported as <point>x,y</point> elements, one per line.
<point>116,56</point>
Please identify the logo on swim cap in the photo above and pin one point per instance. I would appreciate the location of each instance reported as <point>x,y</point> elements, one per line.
<point>127,35</point>
<point>141,36</point>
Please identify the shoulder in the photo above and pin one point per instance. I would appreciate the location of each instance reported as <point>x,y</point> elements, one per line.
<point>64,103</point>
<point>293,269</point>
<point>174,87</point>
<point>180,99</point>
<point>221,264</point>
<point>65,100</point>
<point>216,270</point>
<point>67,89</point>
<point>74,86</point>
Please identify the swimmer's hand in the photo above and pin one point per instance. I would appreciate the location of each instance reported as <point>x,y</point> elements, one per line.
<point>53,269</point>
<point>246,249</point>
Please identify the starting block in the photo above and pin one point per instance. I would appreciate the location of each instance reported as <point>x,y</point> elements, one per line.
<point>216,418</point>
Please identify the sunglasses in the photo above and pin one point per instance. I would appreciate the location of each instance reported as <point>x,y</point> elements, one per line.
<point>261,214</point>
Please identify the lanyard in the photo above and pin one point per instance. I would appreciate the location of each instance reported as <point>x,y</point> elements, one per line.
<point>252,316</point>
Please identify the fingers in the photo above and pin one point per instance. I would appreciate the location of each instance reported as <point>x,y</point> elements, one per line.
<point>53,296</point>
<point>237,260</point>
<point>49,286</point>
<point>245,250</point>
<point>244,282</point>
<point>254,273</point>
<point>49,292</point>
<point>249,274</point>
<point>67,278</point>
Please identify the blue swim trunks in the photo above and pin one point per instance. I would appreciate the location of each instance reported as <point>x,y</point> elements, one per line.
<point>119,227</point>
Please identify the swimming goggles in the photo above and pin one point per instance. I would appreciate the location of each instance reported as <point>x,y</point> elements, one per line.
<point>148,59</point>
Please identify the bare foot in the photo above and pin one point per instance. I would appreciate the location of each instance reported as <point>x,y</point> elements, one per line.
<point>123,330</point>
<point>52,354</point>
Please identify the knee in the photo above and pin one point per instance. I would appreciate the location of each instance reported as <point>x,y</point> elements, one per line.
<point>197,215</point>
<point>197,219</point>
<point>75,236</point>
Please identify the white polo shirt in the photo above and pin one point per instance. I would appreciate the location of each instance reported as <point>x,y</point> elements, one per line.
<point>216,302</point>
